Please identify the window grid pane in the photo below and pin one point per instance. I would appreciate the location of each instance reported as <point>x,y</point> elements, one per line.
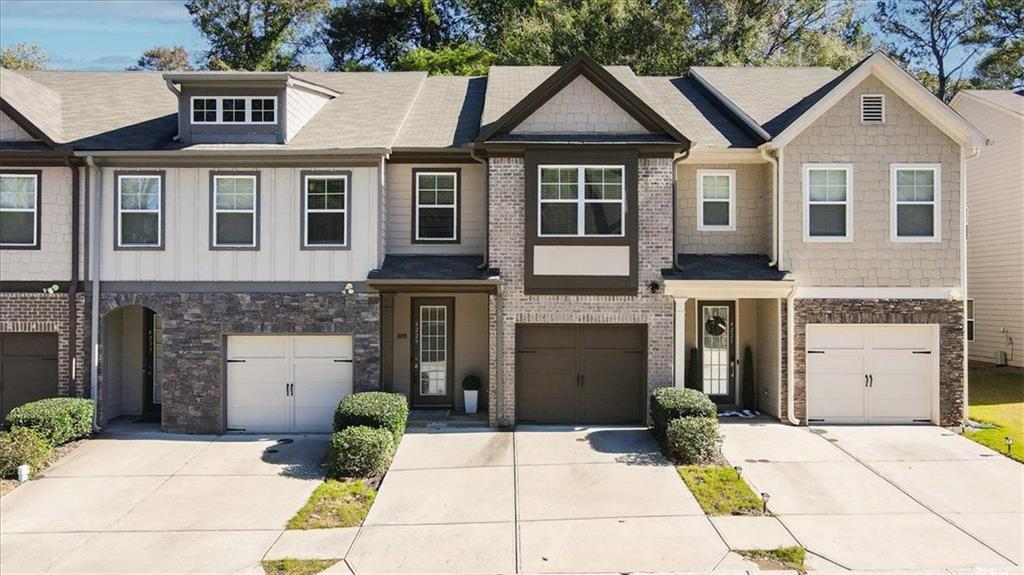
<point>716,200</point>
<point>18,203</point>
<point>326,210</point>
<point>235,210</point>
<point>139,207</point>
<point>915,203</point>
<point>827,198</point>
<point>581,201</point>
<point>436,206</point>
<point>263,110</point>
<point>204,110</point>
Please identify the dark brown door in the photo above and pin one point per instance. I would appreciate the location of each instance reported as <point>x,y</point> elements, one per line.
<point>580,373</point>
<point>28,369</point>
<point>716,340</point>
<point>433,341</point>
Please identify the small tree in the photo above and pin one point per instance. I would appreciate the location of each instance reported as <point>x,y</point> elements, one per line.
<point>22,56</point>
<point>163,59</point>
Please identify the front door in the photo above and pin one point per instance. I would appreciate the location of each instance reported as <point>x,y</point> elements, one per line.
<point>716,336</point>
<point>432,351</point>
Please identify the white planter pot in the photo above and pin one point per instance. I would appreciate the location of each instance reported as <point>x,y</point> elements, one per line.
<point>470,397</point>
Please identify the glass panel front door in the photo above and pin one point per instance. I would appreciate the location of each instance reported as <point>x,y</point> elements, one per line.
<point>717,341</point>
<point>433,354</point>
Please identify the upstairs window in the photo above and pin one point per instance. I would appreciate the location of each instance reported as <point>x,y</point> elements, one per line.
<point>325,210</point>
<point>872,109</point>
<point>234,110</point>
<point>915,202</point>
<point>235,210</point>
<point>716,198</point>
<point>582,201</point>
<point>828,212</point>
<point>139,210</point>
<point>19,210</point>
<point>437,207</point>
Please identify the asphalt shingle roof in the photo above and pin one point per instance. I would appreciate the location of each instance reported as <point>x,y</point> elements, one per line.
<point>446,113</point>
<point>737,267</point>
<point>432,268</point>
<point>1013,101</point>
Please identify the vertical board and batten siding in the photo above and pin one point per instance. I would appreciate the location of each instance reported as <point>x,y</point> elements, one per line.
<point>10,131</point>
<point>751,219</point>
<point>52,261</point>
<point>187,255</point>
<point>872,259</point>
<point>302,106</point>
<point>399,207</point>
<point>995,241</point>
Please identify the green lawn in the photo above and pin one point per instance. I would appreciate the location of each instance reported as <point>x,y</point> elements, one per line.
<point>781,558</point>
<point>297,566</point>
<point>996,396</point>
<point>720,490</point>
<point>335,504</point>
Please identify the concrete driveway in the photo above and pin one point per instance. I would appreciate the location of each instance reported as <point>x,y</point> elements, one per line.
<point>155,502</point>
<point>537,500</point>
<point>887,497</point>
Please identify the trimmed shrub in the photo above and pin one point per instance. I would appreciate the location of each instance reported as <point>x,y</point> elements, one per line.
<point>21,446</point>
<point>471,383</point>
<point>58,419</point>
<point>668,403</point>
<point>360,451</point>
<point>693,440</point>
<point>388,411</point>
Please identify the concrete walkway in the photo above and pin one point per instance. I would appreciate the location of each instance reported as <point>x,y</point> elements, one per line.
<point>887,497</point>
<point>156,502</point>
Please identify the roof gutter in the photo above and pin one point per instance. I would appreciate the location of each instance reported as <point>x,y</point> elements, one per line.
<point>675,188</point>
<point>729,105</point>
<point>230,153</point>
<point>766,150</point>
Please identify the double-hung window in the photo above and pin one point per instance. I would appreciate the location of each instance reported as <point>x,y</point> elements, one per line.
<point>235,210</point>
<point>234,110</point>
<point>716,196</point>
<point>325,210</point>
<point>19,210</point>
<point>437,207</point>
<point>915,202</point>
<point>581,201</point>
<point>828,210</point>
<point>140,201</point>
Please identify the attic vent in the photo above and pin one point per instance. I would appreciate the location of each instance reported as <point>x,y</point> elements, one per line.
<point>872,109</point>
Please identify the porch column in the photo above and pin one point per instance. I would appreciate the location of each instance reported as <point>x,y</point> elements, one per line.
<point>679,343</point>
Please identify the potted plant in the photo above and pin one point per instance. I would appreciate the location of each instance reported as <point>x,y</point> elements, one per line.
<point>470,392</point>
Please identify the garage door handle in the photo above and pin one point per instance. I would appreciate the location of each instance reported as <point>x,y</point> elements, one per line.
<point>866,380</point>
<point>871,381</point>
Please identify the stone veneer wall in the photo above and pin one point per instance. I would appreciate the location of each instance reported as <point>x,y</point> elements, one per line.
<point>48,313</point>
<point>507,221</point>
<point>195,326</point>
<point>947,314</point>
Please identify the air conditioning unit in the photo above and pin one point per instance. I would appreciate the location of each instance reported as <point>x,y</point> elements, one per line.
<point>1001,358</point>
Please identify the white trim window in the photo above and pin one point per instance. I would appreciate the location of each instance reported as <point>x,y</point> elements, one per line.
<point>828,206</point>
<point>969,315</point>
<point>19,210</point>
<point>437,206</point>
<point>234,109</point>
<point>716,200</point>
<point>581,201</point>
<point>325,214</point>
<point>139,211</point>
<point>915,190</point>
<point>234,211</point>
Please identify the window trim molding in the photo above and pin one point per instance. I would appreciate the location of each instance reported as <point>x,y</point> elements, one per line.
<point>37,244</point>
<point>220,110</point>
<point>970,314</point>
<point>936,204</point>
<point>805,170</point>
<point>415,204</point>
<point>304,176</point>
<point>701,226</point>
<point>161,225</point>
<point>863,123</point>
<point>214,175</point>
<point>581,201</point>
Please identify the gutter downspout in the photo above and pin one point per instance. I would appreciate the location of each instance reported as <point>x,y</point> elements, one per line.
<point>964,157</point>
<point>486,263</point>
<point>73,287</point>
<point>779,209</point>
<point>790,371</point>
<point>94,272</point>
<point>766,154</point>
<point>675,188</point>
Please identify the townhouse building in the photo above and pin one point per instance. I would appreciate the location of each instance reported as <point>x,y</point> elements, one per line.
<point>237,251</point>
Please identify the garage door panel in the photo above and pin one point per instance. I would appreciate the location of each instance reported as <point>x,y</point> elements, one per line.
<point>616,338</point>
<point>319,386</point>
<point>901,337</point>
<point>323,346</point>
<point>546,338</point>
<point>835,386</point>
<point>242,346</point>
<point>836,336</point>
<point>550,392</point>
<point>28,369</point>
<point>612,387</point>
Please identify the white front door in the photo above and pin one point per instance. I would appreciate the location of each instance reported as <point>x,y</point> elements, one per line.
<point>278,383</point>
<point>871,373</point>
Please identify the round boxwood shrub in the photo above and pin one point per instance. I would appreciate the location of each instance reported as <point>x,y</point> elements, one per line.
<point>22,446</point>
<point>693,440</point>
<point>360,451</point>
<point>668,403</point>
<point>58,419</point>
<point>378,409</point>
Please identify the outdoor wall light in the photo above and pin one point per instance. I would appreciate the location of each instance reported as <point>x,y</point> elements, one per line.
<point>349,289</point>
<point>654,286</point>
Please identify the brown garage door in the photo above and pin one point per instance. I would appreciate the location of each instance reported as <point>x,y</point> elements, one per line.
<point>28,368</point>
<point>580,373</point>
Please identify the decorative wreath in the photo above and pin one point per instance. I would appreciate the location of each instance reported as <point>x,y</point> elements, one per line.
<point>714,326</point>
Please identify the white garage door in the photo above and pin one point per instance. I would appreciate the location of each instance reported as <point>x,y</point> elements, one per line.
<point>287,382</point>
<point>871,373</point>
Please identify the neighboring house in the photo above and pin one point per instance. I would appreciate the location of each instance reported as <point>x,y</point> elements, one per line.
<point>995,233</point>
<point>261,244</point>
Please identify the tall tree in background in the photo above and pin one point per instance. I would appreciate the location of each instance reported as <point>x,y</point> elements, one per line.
<point>22,56</point>
<point>163,59</point>
<point>1003,66</point>
<point>937,39</point>
<point>257,34</point>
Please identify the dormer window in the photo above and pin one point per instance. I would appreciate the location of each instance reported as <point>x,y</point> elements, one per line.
<point>234,110</point>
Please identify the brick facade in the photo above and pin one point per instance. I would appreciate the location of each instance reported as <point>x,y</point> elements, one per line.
<point>507,221</point>
<point>48,313</point>
<point>948,314</point>
<point>195,326</point>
